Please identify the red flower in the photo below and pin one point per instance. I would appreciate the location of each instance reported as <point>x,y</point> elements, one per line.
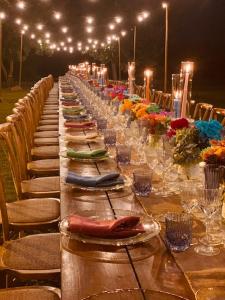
<point>171,133</point>
<point>179,124</point>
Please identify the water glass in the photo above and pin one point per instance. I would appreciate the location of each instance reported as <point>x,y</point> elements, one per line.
<point>110,137</point>
<point>101,123</point>
<point>178,233</point>
<point>123,154</point>
<point>142,183</point>
<point>213,176</point>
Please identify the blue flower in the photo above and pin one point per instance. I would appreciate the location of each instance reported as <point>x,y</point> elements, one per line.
<point>209,129</point>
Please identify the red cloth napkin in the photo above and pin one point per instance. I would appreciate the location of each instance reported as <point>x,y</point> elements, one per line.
<point>79,124</point>
<point>121,228</point>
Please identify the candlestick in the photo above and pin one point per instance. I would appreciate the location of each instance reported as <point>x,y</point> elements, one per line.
<point>186,75</point>
<point>131,77</point>
<point>148,77</point>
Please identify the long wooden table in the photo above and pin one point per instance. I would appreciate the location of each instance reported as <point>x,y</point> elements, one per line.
<point>91,269</point>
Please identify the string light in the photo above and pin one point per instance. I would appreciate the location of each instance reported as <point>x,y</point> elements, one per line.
<point>18,21</point>
<point>89,29</point>
<point>64,29</point>
<point>123,33</point>
<point>118,19</point>
<point>32,36</point>
<point>47,35</point>
<point>40,26</point>
<point>57,15</point>
<point>112,26</point>
<point>21,5</point>
<point>90,20</point>
<point>164,5</point>
<point>69,40</point>
<point>2,15</point>
<point>25,27</point>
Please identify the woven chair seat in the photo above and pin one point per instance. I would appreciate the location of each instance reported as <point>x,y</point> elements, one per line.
<point>52,101</point>
<point>46,134</point>
<point>53,112</point>
<point>46,141</point>
<point>48,128</point>
<point>49,122</point>
<point>49,186</point>
<point>45,152</point>
<point>44,165</point>
<point>34,252</point>
<point>51,107</point>
<point>49,117</point>
<point>33,211</point>
<point>28,293</point>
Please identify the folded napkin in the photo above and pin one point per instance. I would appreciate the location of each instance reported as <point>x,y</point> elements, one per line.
<point>80,138</point>
<point>107,180</point>
<point>123,227</point>
<point>76,117</point>
<point>70,103</point>
<point>81,125</point>
<point>86,154</point>
<point>73,111</point>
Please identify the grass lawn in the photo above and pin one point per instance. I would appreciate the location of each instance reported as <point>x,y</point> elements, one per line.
<point>7,100</point>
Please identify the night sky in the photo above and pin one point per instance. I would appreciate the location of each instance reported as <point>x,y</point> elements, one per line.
<point>196,32</point>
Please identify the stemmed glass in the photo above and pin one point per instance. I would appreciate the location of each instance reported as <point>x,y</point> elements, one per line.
<point>210,203</point>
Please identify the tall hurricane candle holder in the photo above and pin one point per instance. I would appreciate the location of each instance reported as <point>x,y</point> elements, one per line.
<point>131,77</point>
<point>186,76</point>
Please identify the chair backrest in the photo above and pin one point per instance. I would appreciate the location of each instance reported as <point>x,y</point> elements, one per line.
<point>218,114</point>
<point>8,146</point>
<point>157,97</point>
<point>166,101</point>
<point>202,111</point>
<point>3,210</point>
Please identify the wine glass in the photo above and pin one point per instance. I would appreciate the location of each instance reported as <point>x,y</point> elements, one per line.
<point>210,203</point>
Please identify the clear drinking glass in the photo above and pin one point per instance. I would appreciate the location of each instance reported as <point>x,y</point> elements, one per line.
<point>123,154</point>
<point>213,176</point>
<point>142,182</point>
<point>101,123</point>
<point>210,203</point>
<point>109,137</point>
<point>178,234</point>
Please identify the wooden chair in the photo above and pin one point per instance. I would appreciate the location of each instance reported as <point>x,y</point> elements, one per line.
<point>218,114</point>
<point>165,101</point>
<point>202,111</point>
<point>43,167</point>
<point>30,292</point>
<point>38,187</point>
<point>29,214</point>
<point>157,97</point>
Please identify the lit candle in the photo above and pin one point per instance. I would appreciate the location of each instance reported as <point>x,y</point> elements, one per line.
<point>187,70</point>
<point>177,105</point>
<point>131,77</point>
<point>148,76</point>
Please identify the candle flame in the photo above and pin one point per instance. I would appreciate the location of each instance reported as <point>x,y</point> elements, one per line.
<point>148,73</point>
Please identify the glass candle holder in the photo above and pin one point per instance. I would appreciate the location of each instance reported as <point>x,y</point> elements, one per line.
<point>110,137</point>
<point>178,234</point>
<point>123,154</point>
<point>142,183</point>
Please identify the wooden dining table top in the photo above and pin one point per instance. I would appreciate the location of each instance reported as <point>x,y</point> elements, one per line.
<point>89,269</point>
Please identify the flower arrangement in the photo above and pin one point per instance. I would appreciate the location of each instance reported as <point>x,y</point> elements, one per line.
<point>158,123</point>
<point>209,129</point>
<point>176,125</point>
<point>214,154</point>
<point>187,147</point>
